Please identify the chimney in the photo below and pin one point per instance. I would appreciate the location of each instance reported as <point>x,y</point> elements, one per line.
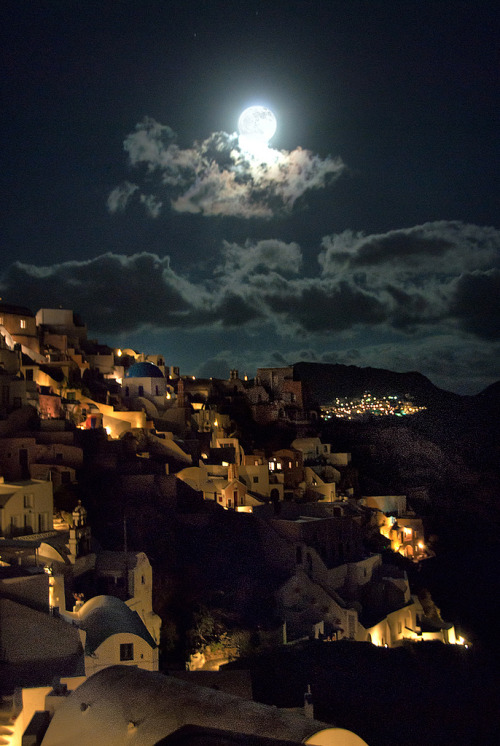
<point>308,703</point>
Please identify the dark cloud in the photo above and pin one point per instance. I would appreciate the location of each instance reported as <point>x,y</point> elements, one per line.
<point>216,367</point>
<point>436,310</point>
<point>235,311</point>
<point>410,309</point>
<point>318,308</point>
<point>434,247</point>
<point>476,303</point>
<point>114,293</point>
<point>216,177</point>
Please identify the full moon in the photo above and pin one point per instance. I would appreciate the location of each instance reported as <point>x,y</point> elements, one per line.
<point>257,124</point>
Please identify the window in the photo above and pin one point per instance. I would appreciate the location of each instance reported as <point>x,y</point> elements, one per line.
<point>29,374</point>
<point>255,480</point>
<point>127,651</point>
<point>28,501</point>
<point>22,323</point>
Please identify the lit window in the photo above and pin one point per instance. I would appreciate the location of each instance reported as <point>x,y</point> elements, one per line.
<point>127,651</point>
<point>22,323</point>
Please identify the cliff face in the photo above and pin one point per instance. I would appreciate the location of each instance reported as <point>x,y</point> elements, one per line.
<point>322,381</point>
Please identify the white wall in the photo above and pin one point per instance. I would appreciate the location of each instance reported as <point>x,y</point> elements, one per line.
<point>108,654</point>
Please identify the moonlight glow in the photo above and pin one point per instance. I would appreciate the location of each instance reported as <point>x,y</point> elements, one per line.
<point>256,126</point>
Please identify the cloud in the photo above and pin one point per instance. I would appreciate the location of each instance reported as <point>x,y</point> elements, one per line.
<point>442,282</point>
<point>120,196</point>
<point>476,303</point>
<point>216,177</point>
<point>447,286</point>
<point>434,247</point>
<point>312,306</point>
<point>433,273</point>
<point>114,293</point>
<point>260,257</point>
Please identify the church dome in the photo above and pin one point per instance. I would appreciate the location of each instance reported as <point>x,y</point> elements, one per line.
<point>103,616</point>
<point>144,370</point>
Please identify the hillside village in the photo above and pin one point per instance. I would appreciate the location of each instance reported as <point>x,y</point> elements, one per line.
<point>155,521</point>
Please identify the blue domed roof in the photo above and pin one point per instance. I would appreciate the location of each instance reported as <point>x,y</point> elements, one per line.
<point>144,370</point>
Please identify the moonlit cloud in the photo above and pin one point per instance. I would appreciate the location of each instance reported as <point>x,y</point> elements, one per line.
<point>436,279</point>
<point>436,297</point>
<point>120,196</point>
<point>216,177</point>
<point>258,257</point>
<point>115,293</point>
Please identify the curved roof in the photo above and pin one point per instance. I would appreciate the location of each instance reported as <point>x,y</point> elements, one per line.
<point>144,370</point>
<point>103,616</point>
<point>125,704</point>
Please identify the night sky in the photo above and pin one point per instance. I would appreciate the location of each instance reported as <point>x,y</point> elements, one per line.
<point>369,234</point>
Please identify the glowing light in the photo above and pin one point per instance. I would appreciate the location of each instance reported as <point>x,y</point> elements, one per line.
<point>256,126</point>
